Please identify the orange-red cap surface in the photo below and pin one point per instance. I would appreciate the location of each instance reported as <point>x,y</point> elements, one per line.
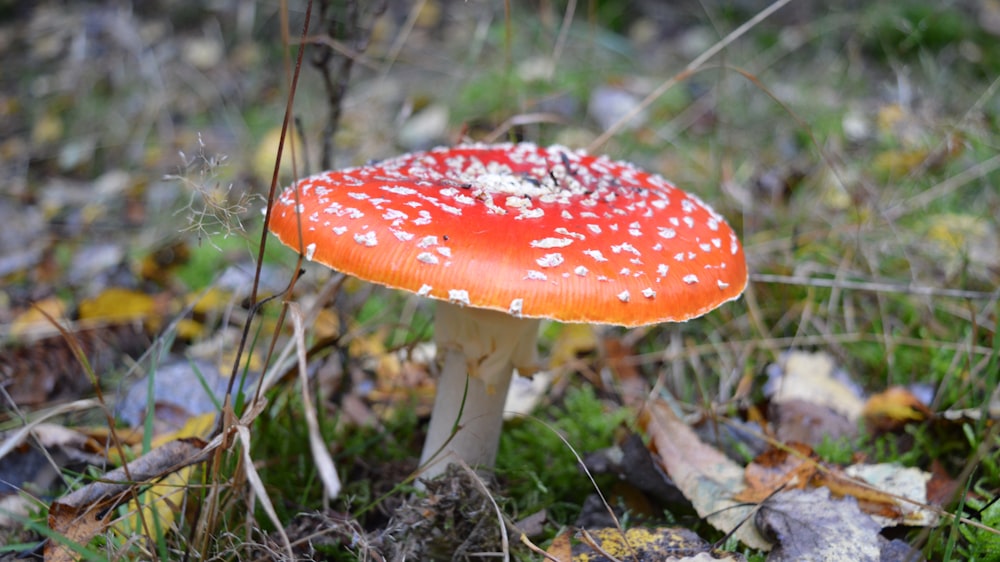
<point>543,232</point>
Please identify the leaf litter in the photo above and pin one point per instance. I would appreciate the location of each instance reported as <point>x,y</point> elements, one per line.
<point>901,141</point>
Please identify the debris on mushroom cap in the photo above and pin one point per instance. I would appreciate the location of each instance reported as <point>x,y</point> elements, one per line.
<point>542,232</point>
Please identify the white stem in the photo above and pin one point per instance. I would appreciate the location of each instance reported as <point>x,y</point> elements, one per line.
<point>480,349</point>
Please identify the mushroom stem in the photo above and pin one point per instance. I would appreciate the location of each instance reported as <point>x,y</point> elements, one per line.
<point>480,350</point>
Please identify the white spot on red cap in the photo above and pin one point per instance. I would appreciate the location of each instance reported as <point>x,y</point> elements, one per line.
<point>310,251</point>
<point>688,221</point>
<point>550,260</point>
<point>427,242</point>
<point>596,254</point>
<point>667,233</point>
<point>398,189</point>
<point>648,292</point>
<point>547,243</point>
<point>594,228</point>
<point>338,230</point>
<point>690,279</point>
<point>515,307</point>
<point>580,270</point>
<point>625,247</point>
<point>425,290</point>
<point>722,284</point>
<point>444,251</point>
<point>623,296</point>
<point>535,275</point>
<point>566,232</point>
<point>662,270</point>
<point>458,296</point>
<point>428,258</point>
<point>394,215</point>
<point>401,235</point>
<point>367,239</point>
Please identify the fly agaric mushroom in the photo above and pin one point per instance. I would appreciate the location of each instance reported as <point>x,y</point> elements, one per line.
<point>503,236</point>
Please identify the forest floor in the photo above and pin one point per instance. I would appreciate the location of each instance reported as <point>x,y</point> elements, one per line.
<point>845,407</point>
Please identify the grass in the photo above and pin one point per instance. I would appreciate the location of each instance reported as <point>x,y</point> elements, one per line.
<point>812,196</point>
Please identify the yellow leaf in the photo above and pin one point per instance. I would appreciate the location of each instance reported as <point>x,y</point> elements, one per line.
<point>189,329</point>
<point>896,163</point>
<point>327,325</point>
<point>33,321</point>
<point>161,502</point>
<point>267,151</point>
<point>47,129</point>
<point>198,426</point>
<point>890,116</point>
<point>213,299</point>
<point>894,408</point>
<point>954,231</point>
<point>573,340</point>
<point>117,305</point>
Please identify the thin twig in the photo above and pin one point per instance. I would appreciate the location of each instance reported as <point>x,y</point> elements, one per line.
<point>873,286</point>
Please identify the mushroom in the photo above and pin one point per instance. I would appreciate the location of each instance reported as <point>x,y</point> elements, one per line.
<point>503,236</point>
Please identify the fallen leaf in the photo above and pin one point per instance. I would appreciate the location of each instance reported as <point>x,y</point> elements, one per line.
<point>561,548</point>
<point>159,504</point>
<point>178,389</point>
<point>791,467</point>
<point>638,544</point>
<point>117,305</point>
<point>267,148</point>
<point>894,408</point>
<point>805,422</point>
<point>84,513</point>
<point>573,341</point>
<point>813,378</point>
<point>706,477</point>
<point>809,525</point>
<point>47,369</point>
<point>896,480</point>
<point>35,321</point>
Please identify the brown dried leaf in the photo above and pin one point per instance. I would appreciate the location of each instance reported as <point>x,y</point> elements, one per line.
<point>708,479</point>
<point>792,467</point>
<point>561,549</point>
<point>86,512</point>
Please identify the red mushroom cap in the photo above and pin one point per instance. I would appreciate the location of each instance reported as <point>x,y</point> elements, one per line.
<point>532,231</point>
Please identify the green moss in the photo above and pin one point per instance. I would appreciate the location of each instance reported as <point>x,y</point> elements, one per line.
<point>540,469</point>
